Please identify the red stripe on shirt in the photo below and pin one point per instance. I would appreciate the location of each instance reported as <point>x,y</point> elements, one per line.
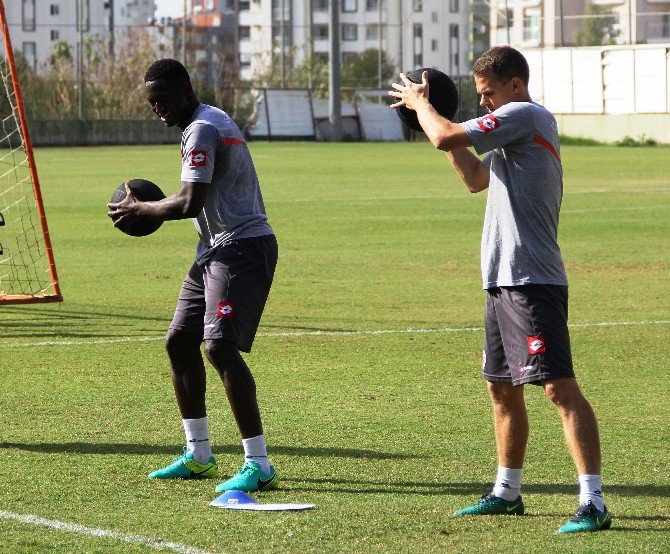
<point>230,140</point>
<point>544,142</point>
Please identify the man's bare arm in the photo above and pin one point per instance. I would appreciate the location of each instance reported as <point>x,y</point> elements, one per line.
<point>474,174</point>
<point>449,137</point>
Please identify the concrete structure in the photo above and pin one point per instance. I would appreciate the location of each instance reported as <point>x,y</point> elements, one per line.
<point>36,25</point>
<point>412,33</point>
<point>552,23</point>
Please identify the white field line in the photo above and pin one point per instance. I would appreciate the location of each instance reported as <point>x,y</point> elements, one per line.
<point>458,196</point>
<point>324,334</point>
<point>159,544</point>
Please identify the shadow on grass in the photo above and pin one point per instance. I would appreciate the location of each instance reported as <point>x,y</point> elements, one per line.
<point>353,486</point>
<point>150,449</point>
<point>465,488</point>
<point>64,324</point>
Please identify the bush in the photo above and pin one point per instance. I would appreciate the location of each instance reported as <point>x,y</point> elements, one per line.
<point>642,140</point>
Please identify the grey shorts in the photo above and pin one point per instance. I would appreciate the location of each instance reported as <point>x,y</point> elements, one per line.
<point>527,339</point>
<point>225,298</point>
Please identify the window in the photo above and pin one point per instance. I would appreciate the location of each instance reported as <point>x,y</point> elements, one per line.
<point>244,32</point>
<point>418,5</point>
<point>349,31</point>
<point>505,26</point>
<point>531,25</point>
<point>372,32</point>
<point>349,5</point>
<point>453,6</point>
<point>30,54</point>
<point>54,34</point>
<point>320,32</point>
<point>454,47</point>
<point>434,17</point>
<point>418,30</point>
<point>54,9</point>
<point>418,60</point>
<point>433,45</point>
<point>320,5</point>
<point>320,57</point>
<point>243,5</point>
<point>245,59</point>
<point>28,15</point>
<point>373,5</point>
<point>349,57</point>
<point>665,26</point>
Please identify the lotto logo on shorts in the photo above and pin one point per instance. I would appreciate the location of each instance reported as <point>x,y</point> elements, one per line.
<point>198,158</point>
<point>536,345</point>
<point>225,309</point>
<point>488,123</point>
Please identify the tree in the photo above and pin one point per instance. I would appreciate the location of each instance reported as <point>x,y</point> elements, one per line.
<point>361,70</point>
<point>598,27</point>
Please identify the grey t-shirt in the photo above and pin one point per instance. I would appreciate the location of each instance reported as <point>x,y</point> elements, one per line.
<point>519,241</point>
<point>214,151</point>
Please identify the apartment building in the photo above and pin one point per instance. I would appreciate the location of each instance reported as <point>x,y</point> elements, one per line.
<point>554,23</point>
<point>412,33</point>
<point>36,25</point>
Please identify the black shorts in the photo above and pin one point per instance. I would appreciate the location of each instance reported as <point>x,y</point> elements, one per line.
<point>224,299</point>
<point>527,339</point>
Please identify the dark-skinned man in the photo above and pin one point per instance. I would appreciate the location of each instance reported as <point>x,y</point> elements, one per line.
<point>224,293</point>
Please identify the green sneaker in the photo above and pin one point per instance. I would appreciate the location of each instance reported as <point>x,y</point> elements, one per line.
<point>250,479</point>
<point>186,467</point>
<point>491,504</point>
<point>587,518</point>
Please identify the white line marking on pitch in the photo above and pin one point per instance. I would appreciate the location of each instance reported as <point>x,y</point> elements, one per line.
<point>325,333</point>
<point>159,544</point>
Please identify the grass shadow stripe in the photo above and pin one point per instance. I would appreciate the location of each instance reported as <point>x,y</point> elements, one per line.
<point>326,333</point>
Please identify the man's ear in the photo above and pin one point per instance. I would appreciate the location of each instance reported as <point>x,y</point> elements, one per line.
<point>517,85</point>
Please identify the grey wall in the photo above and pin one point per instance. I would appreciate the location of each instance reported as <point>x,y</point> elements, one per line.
<point>99,132</point>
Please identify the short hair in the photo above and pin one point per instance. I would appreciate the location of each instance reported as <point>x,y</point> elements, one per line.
<point>171,71</point>
<point>504,62</point>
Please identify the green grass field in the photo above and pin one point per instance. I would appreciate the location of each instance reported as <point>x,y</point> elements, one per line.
<point>367,363</point>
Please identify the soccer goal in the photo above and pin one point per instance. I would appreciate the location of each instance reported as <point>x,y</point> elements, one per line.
<point>27,267</point>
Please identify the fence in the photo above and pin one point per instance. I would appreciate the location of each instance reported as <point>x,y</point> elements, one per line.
<point>604,80</point>
<point>263,114</point>
<point>295,114</point>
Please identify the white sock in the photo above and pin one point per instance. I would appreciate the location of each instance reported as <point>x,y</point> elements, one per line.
<point>255,450</point>
<point>590,488</point>
<point>197,438</point>
<point>508,483</point>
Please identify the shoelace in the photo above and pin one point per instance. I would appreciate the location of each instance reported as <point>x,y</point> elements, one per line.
<point>178,458</point>
<point>583,512</point>
<point>247,469</point>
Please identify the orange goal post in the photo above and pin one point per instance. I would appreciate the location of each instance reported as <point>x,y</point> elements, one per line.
<point>27,267</point>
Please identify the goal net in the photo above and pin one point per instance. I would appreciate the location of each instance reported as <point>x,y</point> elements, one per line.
<point>27,268</point>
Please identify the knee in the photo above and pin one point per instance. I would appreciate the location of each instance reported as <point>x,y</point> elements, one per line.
<point>222,354</point>
<point>181,347</point>
<point>563,393</point>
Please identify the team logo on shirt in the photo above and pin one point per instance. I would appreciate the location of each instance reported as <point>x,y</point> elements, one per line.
<point>198,158</point>
<point>536,345</point>
<point>225,309</point>
<point>488,123</point>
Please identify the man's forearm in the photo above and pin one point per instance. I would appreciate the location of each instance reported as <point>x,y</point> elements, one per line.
<point>470,169</point>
